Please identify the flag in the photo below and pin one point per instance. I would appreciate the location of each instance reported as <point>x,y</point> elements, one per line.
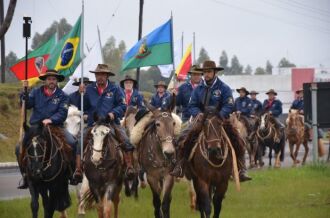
<point>185,65</point>
<point>36,61</point>
<point>65,57</point>
<point>153,49</point>
<point>166,70</point>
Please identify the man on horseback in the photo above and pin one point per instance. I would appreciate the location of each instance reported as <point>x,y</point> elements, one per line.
<point>185,91</point>
<point>50,107</point>
<point>75,97</point>
<point>211,95</point>
<point>162,98</point>
<point>132,95</point>
<point>104,98</point>
<point>255,104</point>
<point>242,102</point>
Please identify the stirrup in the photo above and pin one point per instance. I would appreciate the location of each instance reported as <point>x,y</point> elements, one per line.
<point>177,172</point>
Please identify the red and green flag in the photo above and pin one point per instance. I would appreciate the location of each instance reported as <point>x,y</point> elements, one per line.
<point>65,57</point>
<point>153,49</point>
<point>36,61</point>
<point>185,65</point>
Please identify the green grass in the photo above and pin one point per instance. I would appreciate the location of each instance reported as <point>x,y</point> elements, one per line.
<point>297,192</point>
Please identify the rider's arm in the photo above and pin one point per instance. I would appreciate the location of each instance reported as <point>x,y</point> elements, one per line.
<point>119,106</point>
<point>227,103</point>
<point>194,103</point>
<point>62,112</point>
<point>277,110</point>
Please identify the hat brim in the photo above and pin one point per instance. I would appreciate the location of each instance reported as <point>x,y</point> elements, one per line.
<point>247,92</point>
<point>78,83</point>
<point>275,93</point>
<point>108,72</point>
<point>300,90</point>
<point>59,77</point>
<point>196,72</point>
<point>156,86</point>
<point>210,68</point>
<point>254,93</point>
<point>123,81</point>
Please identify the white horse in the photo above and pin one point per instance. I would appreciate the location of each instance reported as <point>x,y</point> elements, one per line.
<point>72,124</point>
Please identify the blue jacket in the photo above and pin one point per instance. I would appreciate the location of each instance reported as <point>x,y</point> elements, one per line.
<point>111,100</point>
<point>243,105</point>
<point>161,102</point>
<point>54,107</point>
<point>136,99</point>
<point>75,99</point>
<point>255,106</point>
<point>221,95</point>
<point>182,100</point>
<point>276,107</point>
<point>298,104</point>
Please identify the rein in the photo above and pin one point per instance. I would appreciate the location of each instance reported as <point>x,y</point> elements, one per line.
<point>271,129</point>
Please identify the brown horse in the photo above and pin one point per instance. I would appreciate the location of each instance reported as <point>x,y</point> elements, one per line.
<point>212,162</point>
<point>103,164</point>
<point>156,152</point>
<point>296,135</point>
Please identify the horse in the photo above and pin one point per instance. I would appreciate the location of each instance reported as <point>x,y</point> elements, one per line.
<point>296,134</point>
<point>268,135</point>
<point>47,159</point>
<point>211,164</point>
<point>104,167</point>
<point>247,132</point>
<point>156,153</point>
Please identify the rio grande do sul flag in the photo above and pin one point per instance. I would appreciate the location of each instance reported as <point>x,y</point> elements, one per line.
<point>153,49</point>
<point>185,65</point>
<point>65,57</point>
<point>36,61</point>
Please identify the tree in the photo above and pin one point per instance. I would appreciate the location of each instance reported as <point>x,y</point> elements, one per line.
<point>62,28</point>
<point>223,61</point>
<point>9,17</point>
<point>203,56</point>
<point>248,70</point>
<point>269,67</point>
<point>10,60</point>
<point>285,63</point>
<point>260,71</point>
<point>235,67</point>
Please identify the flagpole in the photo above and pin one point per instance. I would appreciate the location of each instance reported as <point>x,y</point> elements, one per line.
<point>139,37</point>
<point>174,79</point>
<point>194,48</point>
<point>82,82</point>
<point>100,43</point>
<point>182,45</point>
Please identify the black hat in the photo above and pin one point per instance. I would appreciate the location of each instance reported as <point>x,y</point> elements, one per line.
<point>51,72</point>
<point>243,89</point>
<point>271,91</point>
<point>254,92</point>
<point>77,81</point>
<point>128,78</point>
<point>161,83</point>
<point>209,65</point>
<point>193,70</point>
<point>103,68</point>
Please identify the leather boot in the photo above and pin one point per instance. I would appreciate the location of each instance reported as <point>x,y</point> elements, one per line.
<point>77,175</point>
<point>128,158</point>
<point>22,169</point>
<point>242,169</point>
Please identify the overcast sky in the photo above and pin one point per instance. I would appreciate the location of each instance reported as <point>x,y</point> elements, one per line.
<point>254,30</point>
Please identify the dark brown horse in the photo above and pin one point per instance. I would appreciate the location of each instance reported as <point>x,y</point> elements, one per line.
<point>103,164</point>
<point>296,134</point>
<point>270,136</point>
<point>212,162</point>
<point>155,153</point>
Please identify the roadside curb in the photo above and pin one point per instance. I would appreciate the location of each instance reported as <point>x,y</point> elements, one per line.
<point>8,165</point>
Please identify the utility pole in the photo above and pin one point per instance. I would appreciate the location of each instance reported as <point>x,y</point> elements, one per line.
<point>3,51</point>
<point>140,35</point>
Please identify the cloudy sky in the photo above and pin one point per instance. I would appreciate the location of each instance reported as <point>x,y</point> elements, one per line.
<point>254,30</point>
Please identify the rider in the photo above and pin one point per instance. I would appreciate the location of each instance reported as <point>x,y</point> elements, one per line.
<point>255,104</point>
<point>210,93</point>
<point>132,95</point>
<point>75,97</point>
<point>185,90</point>
<point>274,107</point>
<point>107,99</point>
<point>162,98</point>
<point>50,107</point>
<point>242,102</point>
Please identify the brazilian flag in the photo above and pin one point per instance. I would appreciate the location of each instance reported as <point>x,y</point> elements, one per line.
<point>65,57</point>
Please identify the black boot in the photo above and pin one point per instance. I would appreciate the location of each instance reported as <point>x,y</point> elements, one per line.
<point>24,184</point>
<point>178,169</point>
<point>242,169</point>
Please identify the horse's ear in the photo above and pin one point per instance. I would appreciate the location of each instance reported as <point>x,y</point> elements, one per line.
<point>172,105</point>
<point>95,117</point>
<point>149,106</point>
<point>25,127</point>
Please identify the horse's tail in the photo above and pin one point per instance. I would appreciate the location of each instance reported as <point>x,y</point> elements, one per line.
<point>282,147</point>
<point>88,199</point>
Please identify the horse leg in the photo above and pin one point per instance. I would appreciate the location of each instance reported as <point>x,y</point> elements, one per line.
<point>100,209</point>
<point>116,201</point>
<point>34,200</point>
<point>64,214</point>
<point>305,143</point>
<point>107,206</point>
<point>204,198</point>
<point>192,195</point>
<point>296,152</point>
<point>291,153</point>
<point>218,197</point>
<point>156,190</point>
<point>270,156</point>
<point>45,203</point>
<point>167,197</point>
<point>83,190</point>
<point>277,159</point>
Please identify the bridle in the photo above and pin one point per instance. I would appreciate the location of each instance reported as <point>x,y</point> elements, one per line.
<point>270,128</point>
<point>168,138</point>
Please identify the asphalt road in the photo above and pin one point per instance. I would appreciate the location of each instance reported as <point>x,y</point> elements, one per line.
<point>9,178</point>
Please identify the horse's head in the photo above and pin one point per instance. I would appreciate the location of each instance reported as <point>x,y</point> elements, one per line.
<point>99,133</point>
<point>72,122</point>
<point>164,125</point>
<point>293,118</point>
<point>35,143</point>
<point>265,120</point>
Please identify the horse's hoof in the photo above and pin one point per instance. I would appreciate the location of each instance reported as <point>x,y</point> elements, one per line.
<point>143,184</point>
<point>297,161</point>
<point>81,215</point>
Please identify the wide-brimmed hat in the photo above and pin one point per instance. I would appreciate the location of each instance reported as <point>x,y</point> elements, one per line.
<point>193,70</point>
<point>103,68</point>
<point>254,92</point>
<point>271,91</point>
<point>299,90</point>
<point>161,83</point>
<point>243,89</point>
<point>77,81</point>
<point>51,72</point>
<point>128,78</point>
<point>209,65</point>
